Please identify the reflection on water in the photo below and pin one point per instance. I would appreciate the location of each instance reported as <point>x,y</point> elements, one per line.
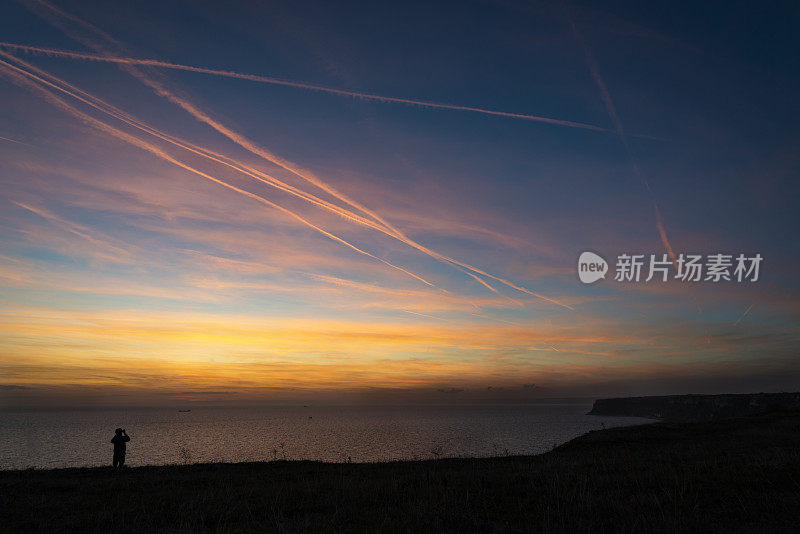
<point>72,438</point>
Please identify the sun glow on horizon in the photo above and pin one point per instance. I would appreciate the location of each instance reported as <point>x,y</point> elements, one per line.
<point>169,234</point>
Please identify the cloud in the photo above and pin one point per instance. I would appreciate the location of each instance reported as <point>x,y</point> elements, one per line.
<point>107,44</point>
<point>102,126</point>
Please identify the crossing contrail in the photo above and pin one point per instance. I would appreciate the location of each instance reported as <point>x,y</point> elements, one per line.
<point>19,76</point>
<point>300,85</point>
<point>263,177</point>
<point>219,158</point>
<point>612,112</point>
<point>56,16</point>
<point>108,46</point>
<point>111,47</point>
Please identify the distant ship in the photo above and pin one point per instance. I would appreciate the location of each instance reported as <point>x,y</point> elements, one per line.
<point>184,410</point>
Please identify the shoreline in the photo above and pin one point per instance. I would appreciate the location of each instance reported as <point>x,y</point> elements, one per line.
<point>725,475</point>
<point>364,434</point>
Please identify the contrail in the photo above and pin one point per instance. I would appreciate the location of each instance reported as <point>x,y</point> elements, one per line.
<point>55,16</point>
<point>612,111</point>
<point>512,323</point>
<point>160,90</point>
<point>13,141</point>
<point>253,173</point>
<point>742,316</point>
<point>489,287</point>
<point>509,284</point>
<point>387,228</point>
<point>299,85</point>
<point>71,227</point>
<point>423,315</point>
<point>251,147</point>
<point>102,106</point>
<point>104,127</point>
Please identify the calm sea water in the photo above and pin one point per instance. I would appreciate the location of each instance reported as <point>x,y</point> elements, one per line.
<point>74,438</point>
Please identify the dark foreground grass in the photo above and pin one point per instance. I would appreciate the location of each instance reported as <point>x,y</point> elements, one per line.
<point>736,475</point>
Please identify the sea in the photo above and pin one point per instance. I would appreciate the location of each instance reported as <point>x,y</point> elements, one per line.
<point>55,438</point>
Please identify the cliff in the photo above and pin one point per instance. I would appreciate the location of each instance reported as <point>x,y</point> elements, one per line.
<point>727,475</point>
<point>697,407</point>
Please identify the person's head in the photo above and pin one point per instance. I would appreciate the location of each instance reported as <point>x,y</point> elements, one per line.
<point>118,431</point>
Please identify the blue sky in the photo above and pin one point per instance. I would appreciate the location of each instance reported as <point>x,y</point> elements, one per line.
<point>126,266</point>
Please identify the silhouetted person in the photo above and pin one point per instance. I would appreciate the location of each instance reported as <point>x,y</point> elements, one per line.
<point>119,440</point>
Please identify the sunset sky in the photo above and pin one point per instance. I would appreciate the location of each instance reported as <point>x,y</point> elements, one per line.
<point>175,236</point>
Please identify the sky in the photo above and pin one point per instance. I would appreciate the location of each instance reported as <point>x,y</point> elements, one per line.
<point>360,202</point>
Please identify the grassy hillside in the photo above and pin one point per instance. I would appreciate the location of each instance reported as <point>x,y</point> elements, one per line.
<point>722,476</point>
